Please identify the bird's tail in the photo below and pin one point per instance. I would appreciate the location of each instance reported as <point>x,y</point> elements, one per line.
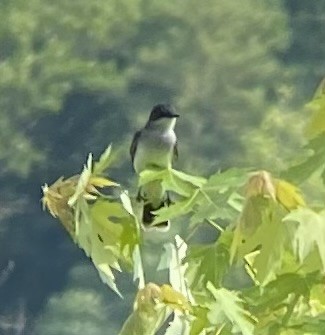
<point>154,197</point>
<point>148,217</point>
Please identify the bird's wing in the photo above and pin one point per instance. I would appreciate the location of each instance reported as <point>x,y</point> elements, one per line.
<point>175,151</point>
<point>134,145</point>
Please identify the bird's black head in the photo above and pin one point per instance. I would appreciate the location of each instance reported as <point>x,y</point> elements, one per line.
<point>162,111</point>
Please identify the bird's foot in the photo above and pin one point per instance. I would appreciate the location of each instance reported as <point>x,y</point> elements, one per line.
<point>168,200</point>
<point>139,197</point>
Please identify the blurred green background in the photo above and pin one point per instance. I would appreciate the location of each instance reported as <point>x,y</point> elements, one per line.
<point>78,75</point>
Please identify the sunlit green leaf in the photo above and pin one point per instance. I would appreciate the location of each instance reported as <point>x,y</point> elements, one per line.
<point>179,326</point>
<point>276,292</point>
<point>194,180</point>
<point>212,206</point>
<point>101,182</point>
<point>208,263</point>
<point>216,198</point>
<point>148,176</point>
<point>104,161</point>
<point>231,178</point>
<point>179,185</point>
<point>119,226</point>
<point>177,209</point>
<point>308,232</point>
<point>317,106</point>
<point>268,235</point>
<point>228,307</point>
<point>82,182</point>
<point>172,180</point>
<point>126,202</point>
<point>138,272</point>
<point>201,320</point>
<point>315,161</point>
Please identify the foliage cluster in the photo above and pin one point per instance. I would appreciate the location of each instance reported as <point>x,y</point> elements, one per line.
<point>272,232</point>
<point>77,75</point>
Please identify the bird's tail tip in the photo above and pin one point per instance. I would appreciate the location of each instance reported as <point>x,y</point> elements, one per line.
<point>148,218</point>
<point>161,227</point>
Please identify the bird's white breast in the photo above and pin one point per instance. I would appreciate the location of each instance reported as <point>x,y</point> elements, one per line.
<point>154,149</point>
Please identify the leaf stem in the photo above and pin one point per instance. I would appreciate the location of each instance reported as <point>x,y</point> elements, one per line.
<point>215,225</point>
<point>290,309</point>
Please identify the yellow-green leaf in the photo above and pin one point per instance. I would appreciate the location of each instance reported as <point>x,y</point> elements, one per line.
<point>101,182</point>
<point>288,195</point>
<point>174,299</point>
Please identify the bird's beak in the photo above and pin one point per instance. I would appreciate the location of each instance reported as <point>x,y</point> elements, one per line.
<point>174,115</point>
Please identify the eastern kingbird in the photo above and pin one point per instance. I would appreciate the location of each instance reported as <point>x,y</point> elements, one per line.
<point>154,147</point>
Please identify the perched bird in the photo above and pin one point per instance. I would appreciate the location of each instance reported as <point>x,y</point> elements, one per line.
<point>154,147</point>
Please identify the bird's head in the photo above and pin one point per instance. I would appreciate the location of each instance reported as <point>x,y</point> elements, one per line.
<point>163,115</point>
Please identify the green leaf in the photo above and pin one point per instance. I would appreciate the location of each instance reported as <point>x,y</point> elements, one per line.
<point>194,180</point>
<point>256,209</point>
<point>268,261</point>
<point>148,176</point>
<point>104,161</point>
<point>308,232</point>
<point>232,178</point>
<point>228,307</point>
<point>82,182</point>
<point>317,106</point>
<point>277,291</point>
<point>218,206</point>
<point>323,176</point>
<point>107,233</point>
<point>201,320</point>
<point>177,209</point>
<point>282,303</point>
<point>268,235</point>
<point>83,226</point>
<point>138,273</point>
<point>102,212</point>
<point>98,239</point>
<point>316,160</point>
<point>178,185</point>
<point>314,325</point>
<point>172,180</point>
<point>208,263</point>
<point>217,196</point>
<point>179,326</point>
<point>101,182</point>
<point>104,259</point>
<point>120,227</point>
<point>126,202</point>
<point>301,172</point>
<point>208,200</point>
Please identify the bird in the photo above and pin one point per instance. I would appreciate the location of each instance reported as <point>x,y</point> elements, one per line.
<point>155,147</point>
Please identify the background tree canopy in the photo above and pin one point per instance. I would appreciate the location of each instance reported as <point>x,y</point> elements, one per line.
<point>76,76</point>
